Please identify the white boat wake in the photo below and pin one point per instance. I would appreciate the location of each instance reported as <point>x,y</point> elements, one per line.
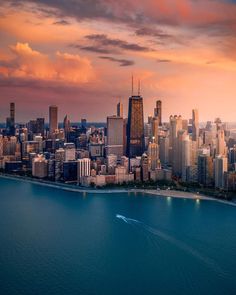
<point>177,243</point>
<point>127,220</point>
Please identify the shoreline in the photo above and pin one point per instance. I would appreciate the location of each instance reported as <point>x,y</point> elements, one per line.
<point>159,193</point>
<point>62,186</point>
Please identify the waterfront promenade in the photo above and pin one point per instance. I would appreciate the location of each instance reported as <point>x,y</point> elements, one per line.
<point>78,189</point>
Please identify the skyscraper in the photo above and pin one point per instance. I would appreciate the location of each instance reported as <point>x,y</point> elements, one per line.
<point>53,118</point>
<point>195,124</point>
<point>135,127</point>
<point>164,150</point>
<point>158,111</point>
<point>115,136</point>
<point>144,167</point>
<point>205,169</point>
<point>177,152</point>
<point>120,109</point>
<point>153,155</point>
<point>155,125</point>
<point>186,157</point>
<point>40,126</point>
<point>220,167</point>
<point>175,126</point>
<point>11,120</point>
<point>220,143</point>
<point>66,126</point>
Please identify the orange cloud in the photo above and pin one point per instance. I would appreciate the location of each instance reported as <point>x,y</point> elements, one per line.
<point>29,63</point>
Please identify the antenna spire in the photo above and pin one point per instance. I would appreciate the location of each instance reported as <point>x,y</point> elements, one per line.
<point>139,87</point>
<point>132,85</point>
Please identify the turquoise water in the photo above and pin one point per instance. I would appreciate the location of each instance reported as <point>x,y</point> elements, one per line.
<point>57,242</point>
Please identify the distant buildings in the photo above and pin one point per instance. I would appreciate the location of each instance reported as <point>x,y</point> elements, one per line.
<point>125,150</point>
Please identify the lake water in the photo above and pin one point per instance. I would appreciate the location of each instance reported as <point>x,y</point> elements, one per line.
<point>58,242</point>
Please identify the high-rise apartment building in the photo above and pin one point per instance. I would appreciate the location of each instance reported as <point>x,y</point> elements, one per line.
<point>69,151</point>
<point>164,150</point>
<point>195,125</point>
<point>175,126</point>
<point>155,129</point>
<point>177,152</point>
<point>220,167</point>
<point>144,167</point>
<point>115,136</point>
<point>220,143</point>
<point>135,127</point>
<point>83,168</point>
<point>40,167</point>
<point>153,155</point>
<point>186,157</point>
<point>205,169</point>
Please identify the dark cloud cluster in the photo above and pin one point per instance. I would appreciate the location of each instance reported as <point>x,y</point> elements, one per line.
<point>122,62</point>
<point>163,60</point>
<point>146,31</point>
<point>160,37</point>
<point>205,14</point>
<point>101,43</point>
<point>62,22</point>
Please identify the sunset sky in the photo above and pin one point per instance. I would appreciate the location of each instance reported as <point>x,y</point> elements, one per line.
<point>81,54</point>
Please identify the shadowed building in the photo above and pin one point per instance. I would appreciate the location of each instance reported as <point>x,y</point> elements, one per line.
<point>195,123</point>
<point>205,169</point>
<point>53,119</point>
<point>10,122</point>
<point>158,112</point>
<point>135,127</point>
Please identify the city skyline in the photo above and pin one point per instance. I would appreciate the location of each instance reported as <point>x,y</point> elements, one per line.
<point>117,147</point>
<point>81,57</point>
<point>62,115</point>
<point>124,151</point>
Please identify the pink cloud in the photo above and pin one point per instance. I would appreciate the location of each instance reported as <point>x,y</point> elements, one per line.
<point>32,64</point>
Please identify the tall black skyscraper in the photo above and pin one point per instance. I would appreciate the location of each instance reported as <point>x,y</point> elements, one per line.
<point>135,127</point>
<point>11,120</point>
<point>40,126</point>
<point>157,111</point>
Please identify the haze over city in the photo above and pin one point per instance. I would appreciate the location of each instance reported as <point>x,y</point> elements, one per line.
<point>80,55</point>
